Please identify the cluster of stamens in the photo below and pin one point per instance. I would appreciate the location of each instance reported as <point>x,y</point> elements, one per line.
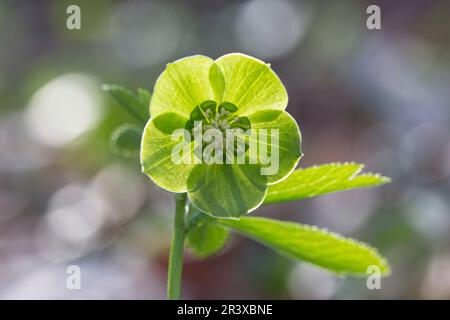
<point>218,117</point>
<point>218,120</point>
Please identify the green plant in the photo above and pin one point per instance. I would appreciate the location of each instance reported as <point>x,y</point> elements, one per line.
<point>235,92</point>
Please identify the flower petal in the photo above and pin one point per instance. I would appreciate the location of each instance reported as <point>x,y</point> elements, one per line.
<point>281,155</point>
<point>182,86</point>
<point>225,190</point>
<point>156,153</point>
<point>251,84</point>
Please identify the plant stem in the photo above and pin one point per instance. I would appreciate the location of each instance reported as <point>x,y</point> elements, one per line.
<point>177,249</point>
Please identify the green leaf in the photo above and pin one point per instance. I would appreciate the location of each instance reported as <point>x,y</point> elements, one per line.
<point>323,179</point>
<point>145,97</point>
<point>251,84</point>
<point>135,105</point>
<point>282,155</point>
<point>205,237</point>
<point>226,190</point>
<point>156,152</point>
<point>317,246</point>
<point>182,86</point>
<point>126,140</point>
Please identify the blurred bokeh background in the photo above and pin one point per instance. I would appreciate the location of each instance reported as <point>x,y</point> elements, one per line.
<point>379,97</point>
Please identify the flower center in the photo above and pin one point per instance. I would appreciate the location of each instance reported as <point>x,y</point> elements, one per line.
<point>217,120</point>
<point>217,116</point>
<point>219,125</point>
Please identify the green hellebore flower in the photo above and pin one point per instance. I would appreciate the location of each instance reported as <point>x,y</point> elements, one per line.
<point>234,91</point>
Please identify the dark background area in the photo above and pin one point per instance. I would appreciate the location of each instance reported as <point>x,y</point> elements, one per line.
<point>378,97</point>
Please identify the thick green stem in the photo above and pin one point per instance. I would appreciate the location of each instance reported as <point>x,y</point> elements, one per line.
<point>177,249</point>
